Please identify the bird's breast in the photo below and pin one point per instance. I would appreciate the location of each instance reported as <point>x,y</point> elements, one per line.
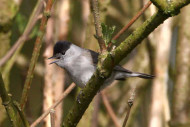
<point>80,70</point>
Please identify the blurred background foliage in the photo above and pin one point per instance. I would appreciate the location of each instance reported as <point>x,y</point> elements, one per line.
<point>165,53</point>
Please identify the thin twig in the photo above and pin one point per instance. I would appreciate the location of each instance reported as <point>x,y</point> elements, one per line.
<point>21,113</point>
<point>7,102</point>
<point>31,23</point>
<point>35,53</point>
<point>127,115</point>
<point>63,95</point>
<point>130,104</point>
<point>97,25</point>
<point>132,21</point>
<point>52,117</point>
<point>109,109</point>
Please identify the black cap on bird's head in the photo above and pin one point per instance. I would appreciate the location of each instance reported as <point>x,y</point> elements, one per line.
<point>59,49</point>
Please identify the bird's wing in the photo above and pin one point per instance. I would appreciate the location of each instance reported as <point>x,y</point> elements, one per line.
<point>118,68</point>
<point>121,69</point>
<point>95,55</point>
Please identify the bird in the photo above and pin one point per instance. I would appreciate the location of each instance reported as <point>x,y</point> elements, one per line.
<point>80,64</point>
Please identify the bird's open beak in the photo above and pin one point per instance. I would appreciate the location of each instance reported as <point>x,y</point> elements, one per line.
<point>53,57</point>
<point>54,61</point>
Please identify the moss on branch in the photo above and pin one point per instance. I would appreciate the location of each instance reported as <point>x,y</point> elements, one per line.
<point>170,7</point>
<point>7,102</point>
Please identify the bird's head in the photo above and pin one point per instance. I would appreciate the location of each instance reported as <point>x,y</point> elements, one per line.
<point>59,50</point>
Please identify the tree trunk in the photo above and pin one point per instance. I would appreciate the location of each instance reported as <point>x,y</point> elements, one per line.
<point>160,114</point>
<point>181,92</point>
<point>57,28</point>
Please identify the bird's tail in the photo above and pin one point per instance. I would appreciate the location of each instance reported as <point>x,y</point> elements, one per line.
<point>141,75</point>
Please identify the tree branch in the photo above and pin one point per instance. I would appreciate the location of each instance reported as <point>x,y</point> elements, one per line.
<point>21,114</point>
<point>132,21</point>
<point>32,21</point>
<point>160,4</point>
<point>63,95</point>
<point>7,102</point>
<point>130,104</point>
<point>97,25</point>
<point>109,109</point>
<point>168,7</point>
<point>52,117</point>
<point>108,61</point>
<point>35,53</point>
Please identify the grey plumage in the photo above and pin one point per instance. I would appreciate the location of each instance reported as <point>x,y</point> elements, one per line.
<point>81,63</point>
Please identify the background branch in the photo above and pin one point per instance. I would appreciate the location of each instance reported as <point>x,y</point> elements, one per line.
<point>31,23</point>
<point>35,53</point>
<point>63,95</point>
<point>97,25</point>
<point>180,115</point>
<point>7,102</point>
<point>21,114</point>
<point>109,109</point>
<point>52,117</point>
<point>96,105</point>
<point>132,21</point>
<point>130,104</point>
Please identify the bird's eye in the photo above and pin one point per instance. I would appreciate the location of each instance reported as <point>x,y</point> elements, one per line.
<point>63,53</point>
<point>59,55</point>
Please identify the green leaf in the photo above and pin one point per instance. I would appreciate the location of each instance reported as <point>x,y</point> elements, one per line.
<point>107,33</point>
<point>113,41</point>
